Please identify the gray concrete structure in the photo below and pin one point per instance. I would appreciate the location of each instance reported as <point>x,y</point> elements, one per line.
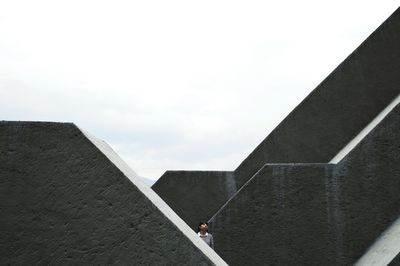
<point>67,198</point>
<point>385,249</point>
<point>317,129</point>
<point>315,214</point>
<point>340,107</point>
<point>199,193</point>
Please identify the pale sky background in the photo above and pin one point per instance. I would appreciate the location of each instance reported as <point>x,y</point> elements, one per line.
<point>193,85</point>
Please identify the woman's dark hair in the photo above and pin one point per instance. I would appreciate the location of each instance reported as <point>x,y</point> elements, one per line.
<point>201,223</point>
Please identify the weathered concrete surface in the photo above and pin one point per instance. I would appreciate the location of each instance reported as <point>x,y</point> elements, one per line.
<point>370,181</point>
<point>66,198</point>
<point>319,127</point>
<point>340,107</point>
<point>315,214</point>
<point>199,193</point>
<point>385,249</point>
<point>274,216</point>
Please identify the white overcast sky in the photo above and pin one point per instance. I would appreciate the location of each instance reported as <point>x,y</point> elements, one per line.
<point>174,84</point>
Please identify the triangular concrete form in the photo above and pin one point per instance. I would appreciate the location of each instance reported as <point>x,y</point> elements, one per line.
<point>67,198</point>
<point>317,214</point>
<point>314,132</point>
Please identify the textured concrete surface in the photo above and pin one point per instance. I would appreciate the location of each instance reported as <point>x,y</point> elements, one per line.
<point>370,181</point>
<point>199,193</point>
<point>385,249</point>
<point>66,198</point>
<point>315,214</point>
<point>395,261</point>
<point>319,127</point>
<point>274,216</point>
<point>340,107</point>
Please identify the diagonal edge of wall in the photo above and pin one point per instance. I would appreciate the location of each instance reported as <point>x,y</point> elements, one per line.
<point>335,112</point>
<point>385,250</point>
<point>395,261</point>
<point>272,216</point>
<point>155,199</point>
<point>349,205</point>
<point>210,189</point>
<point>67,198</point>
<point>360,136</point>
<point>337,109</point>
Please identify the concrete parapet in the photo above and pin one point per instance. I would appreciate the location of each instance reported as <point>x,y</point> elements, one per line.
<point>316,130</point>
<point>315,214</point>
<point>338,108</point>
<point>67,198</point>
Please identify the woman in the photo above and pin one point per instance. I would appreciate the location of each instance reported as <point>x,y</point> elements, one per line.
<point>202,232</point>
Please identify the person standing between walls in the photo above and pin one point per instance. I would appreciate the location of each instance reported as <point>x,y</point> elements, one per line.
<point>202,232</point>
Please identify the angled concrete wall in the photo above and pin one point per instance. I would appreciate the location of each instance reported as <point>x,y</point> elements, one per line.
<point>315,214</point>
<point>319,127</point>
<point>66,198</point>
<point>278,218</point>
<point>340,107</point>
<point>199,193</point>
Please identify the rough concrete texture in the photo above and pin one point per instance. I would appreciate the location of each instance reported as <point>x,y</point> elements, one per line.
<point>277,218</point>
<point>340,107</point>
<point>315,214</point>
<point>319,127</point>
<point>63,201</point>
<point>395,261</point>
<point>385,249</point>
<point>204,191</point>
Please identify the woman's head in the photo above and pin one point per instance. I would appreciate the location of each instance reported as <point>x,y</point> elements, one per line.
<point>203,226</point>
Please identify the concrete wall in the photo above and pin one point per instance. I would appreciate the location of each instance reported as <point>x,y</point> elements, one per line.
<point>63,200</point>
<point>318,128</point>
<point>315,214</point>
<point>340,107</point>
<point>196,195</point>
